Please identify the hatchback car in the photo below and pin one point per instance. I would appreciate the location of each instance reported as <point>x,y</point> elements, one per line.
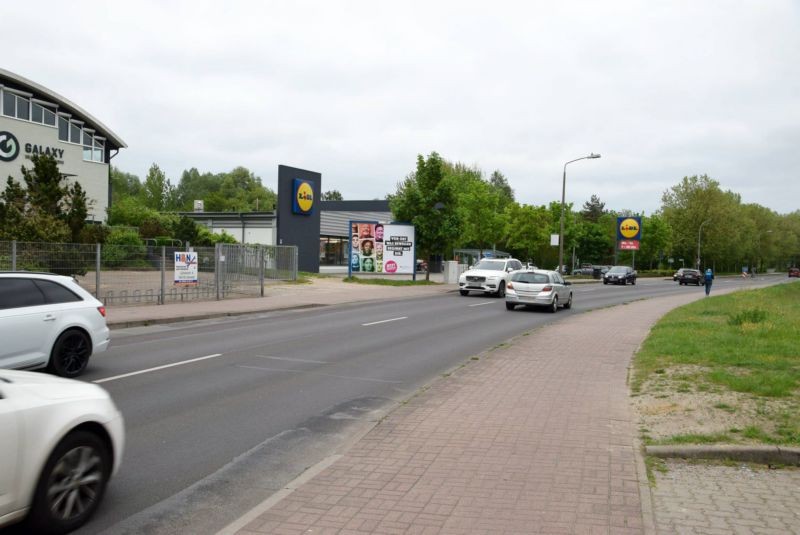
<point>61,441</point>
<point>488,276</point>
<point>49,321</point>
<point>620,275</point>
<point>690,276</point>
<point>538,288</point>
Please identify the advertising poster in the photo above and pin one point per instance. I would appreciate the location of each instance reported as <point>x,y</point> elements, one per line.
<point>381,248</point>
<point>185,269</point>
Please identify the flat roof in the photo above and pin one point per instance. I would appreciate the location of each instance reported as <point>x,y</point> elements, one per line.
<point>23,84</point>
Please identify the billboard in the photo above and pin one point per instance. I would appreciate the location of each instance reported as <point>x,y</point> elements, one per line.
<point>381,248</point>
<point>629,233</point>
<point>185,269</point>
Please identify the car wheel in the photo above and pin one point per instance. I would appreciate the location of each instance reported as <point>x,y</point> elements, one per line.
<point>605,282</point>
<point>70,354</point>
<point>633,281</point>
<point>501,290</point>
<point>553,308</point>
<point>71,485</point>
<point>463,292</point>
<point>568,304</point>
<point>510,306</point>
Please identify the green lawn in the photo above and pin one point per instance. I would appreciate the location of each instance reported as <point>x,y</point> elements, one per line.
<point>747,342</point>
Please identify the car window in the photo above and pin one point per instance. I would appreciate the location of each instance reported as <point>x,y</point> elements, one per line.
<point>557,278</point>
<point>491,265</point>
<point>530,278</point>
<point>18,293</point>
<point>55,293</point>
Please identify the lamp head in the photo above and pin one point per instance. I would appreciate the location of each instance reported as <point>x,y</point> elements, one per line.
<point>593,156</point>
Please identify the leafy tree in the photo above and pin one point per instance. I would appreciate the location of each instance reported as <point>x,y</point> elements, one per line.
<point>526,230</point>
<point>157,190</point>
<point>332,195</point>
<point>481,214</point>
<point>124,185</point>
<point>502,188</point>
<point>428,201</point>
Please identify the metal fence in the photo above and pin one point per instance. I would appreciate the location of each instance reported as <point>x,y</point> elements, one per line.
<point>143,274</point>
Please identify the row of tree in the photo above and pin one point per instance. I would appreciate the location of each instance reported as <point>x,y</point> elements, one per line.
<point>453,206</point>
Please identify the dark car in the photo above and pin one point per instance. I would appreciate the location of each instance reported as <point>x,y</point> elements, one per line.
<point>677,274</point>
<point>690,276</point>
<point>794,272</point>
<point>620,275</point>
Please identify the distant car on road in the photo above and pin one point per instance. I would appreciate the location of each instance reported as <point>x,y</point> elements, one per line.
<point>538,288</point>
<point>794,272</point>
<point>620,275</point>
<point>49,321</point>
<point>61,441</point>
<point>690,276</point>
<point>489,276</point>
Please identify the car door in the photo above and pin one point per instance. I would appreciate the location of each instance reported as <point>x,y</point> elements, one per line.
<point>9,446</point>
<point>26,324</point>
<point>561,290</point>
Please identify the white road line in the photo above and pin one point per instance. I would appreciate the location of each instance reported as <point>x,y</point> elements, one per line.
<point>481,304</point>
<point>317,373</point>
<point>292,360</point>
<point>384,321</point>
<point>107,379</point>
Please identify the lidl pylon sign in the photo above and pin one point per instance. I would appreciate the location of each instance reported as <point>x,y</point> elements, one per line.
<point>629,233</point>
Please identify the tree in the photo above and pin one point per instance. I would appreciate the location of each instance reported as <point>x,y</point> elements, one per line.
<point>593,209</point>
<point>502,188</point>
<point>124,185</point>
<point>332,195</point>
<point>48,208</point>
<point>428,201</point>
<point>481,214</point>
<point>157,189</point>
<point>526,230</point>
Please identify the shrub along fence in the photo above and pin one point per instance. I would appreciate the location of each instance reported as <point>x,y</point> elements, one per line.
<point>144,274</point>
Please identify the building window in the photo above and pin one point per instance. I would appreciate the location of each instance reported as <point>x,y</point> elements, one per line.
<point>42,115</point>
<point>49,117</point>
<point>23,108</point>
<point>99,151</point>
<point>74,133</point>
<point>63,129</point>
<point>9,104</point>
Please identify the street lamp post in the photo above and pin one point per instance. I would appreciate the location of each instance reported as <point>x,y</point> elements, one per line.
<point>700,233</point>
<point>591,156</point>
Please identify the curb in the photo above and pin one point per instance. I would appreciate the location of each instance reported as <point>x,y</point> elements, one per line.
<point>211,315</point>
<point>753,454</point>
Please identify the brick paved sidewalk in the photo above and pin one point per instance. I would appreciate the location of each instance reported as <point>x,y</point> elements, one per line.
<point>535,437</point>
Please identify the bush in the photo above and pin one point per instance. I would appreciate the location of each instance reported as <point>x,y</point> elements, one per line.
<point>123,247</point>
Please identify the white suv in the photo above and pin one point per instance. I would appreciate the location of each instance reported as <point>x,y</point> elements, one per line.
<point>490,276</point>
<point>49,321</point>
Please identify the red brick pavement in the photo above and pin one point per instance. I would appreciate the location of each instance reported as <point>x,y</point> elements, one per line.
<point>535,437</point>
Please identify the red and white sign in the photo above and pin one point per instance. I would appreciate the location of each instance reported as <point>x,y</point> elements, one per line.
<point>628,245</point>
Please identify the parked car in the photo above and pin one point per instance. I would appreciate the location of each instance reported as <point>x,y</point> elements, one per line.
<point>794,272</point>
<point>690,276</point>
<point>61,441</point>
<point>489,276</point>
<point>620,275</point>
<point>585,269</point>
<point>422,265</point>
<point>538,288</point>
<point>49,321</point>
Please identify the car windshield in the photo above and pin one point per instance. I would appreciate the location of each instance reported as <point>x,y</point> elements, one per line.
<point>491,265</point>
<point>618,269</point>
<point>530,278</point>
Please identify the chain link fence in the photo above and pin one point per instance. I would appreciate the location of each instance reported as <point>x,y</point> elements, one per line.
<point>144,274</point>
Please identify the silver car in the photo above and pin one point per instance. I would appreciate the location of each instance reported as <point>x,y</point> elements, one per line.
<point>538,287</point>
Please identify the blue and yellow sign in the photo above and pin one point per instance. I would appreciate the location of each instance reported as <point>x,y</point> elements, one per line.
<point>629,228</point>
<point>303,200</point>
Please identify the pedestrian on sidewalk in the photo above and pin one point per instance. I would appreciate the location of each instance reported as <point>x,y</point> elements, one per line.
<point>708,278</point>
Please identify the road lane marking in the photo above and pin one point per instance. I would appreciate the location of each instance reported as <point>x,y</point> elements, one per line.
<point>384,321</point>
<point>292,360</point>
<point>317,373</point>
<point>124,375</point>
<point>481,304</point>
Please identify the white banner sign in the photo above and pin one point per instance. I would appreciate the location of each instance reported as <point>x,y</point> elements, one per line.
<point>186,269</point>
<point>381,248</point>
<point>398,246</point>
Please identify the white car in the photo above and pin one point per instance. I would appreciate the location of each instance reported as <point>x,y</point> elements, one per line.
<point>61,441</point>
<point>488,276</point>
<point>49,321</point>
<point>538,288</point>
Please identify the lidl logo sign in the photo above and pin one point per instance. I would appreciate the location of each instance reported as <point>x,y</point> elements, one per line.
<point>9,147</point>
<point>303,201</point>
<point>629,228</point>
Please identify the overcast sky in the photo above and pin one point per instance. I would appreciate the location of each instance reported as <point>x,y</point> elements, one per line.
<point>355,90</point>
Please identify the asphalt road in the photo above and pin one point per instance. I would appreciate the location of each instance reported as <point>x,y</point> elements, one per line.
<point>220,414</point>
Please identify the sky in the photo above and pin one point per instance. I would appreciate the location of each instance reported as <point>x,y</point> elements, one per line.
<point>355,90</point>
